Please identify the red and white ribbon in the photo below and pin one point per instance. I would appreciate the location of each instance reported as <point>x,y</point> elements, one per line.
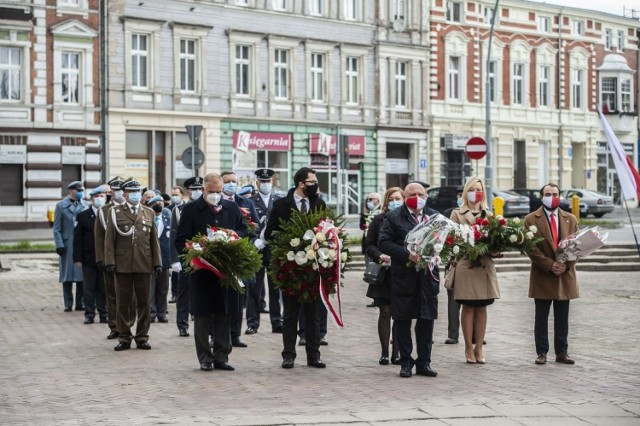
<point>332,235</point>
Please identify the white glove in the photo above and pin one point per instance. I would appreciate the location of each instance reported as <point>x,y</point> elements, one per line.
<point>176,267</point>
<point>259,244</point>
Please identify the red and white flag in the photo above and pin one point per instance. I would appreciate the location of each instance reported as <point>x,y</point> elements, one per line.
<point>627,174</point>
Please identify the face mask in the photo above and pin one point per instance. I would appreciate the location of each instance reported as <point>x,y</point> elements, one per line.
<point>175,199</point>
<point>157,208</point>
<point>118,196</point>
<point>394,204</point>
<point>265,188</point>
<point>214,198</point>
<point>99,202</point>
<point>229,188</point>
<point>370,205</point>
<point>475,197</point>
<point>550,202</point>
<point>459,201</point>
<point>415,203</point>
<point>79,195</point>
<point>196,193</point>
<point>311,190</point>
<point>135,197</point>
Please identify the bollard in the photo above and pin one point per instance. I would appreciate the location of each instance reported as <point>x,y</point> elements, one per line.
<point>575,207</point>
<point>50,216</point>
<point>498,206</point>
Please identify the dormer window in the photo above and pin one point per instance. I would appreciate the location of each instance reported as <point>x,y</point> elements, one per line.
<point>616,94</point>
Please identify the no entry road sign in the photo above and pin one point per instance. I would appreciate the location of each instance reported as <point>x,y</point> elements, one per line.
<point>476,148</point>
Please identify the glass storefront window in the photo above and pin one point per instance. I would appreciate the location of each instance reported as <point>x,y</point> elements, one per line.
<point>246,164</point>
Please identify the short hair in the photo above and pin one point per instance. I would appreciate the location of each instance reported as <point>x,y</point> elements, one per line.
<point>179,188</point>
<point>227,172</point>
<point>302,174</point>
<point>165,197</point>
<point>212,178</point>
<point>149,192</point>
<point>387,194</point>
<point>553,185</point>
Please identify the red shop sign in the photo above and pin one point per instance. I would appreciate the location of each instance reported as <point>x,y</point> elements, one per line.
<point>248,141</point>
<point>318,145</point>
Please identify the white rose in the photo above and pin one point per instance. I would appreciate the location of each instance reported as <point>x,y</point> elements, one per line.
<point>301,258</point>
<point>499,217</point>
<point>456,249</point>
<point>325,264</point>
<point>516,220</point>
<point>533,229</point>
<point>513,238</point>
<point>529,235</point>
<point>320,237</point>
<point>343,256</point>
<point>295,242</point>
<point>308,235</point>
<point>314,266</point>
<point>311,254</point>
<point>332,255</point>
<point>291,255</point>
<point>437,248</point>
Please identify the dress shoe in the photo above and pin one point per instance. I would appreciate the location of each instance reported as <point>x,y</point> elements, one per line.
<point>79,308</point>
<point>113,335</point>
<point>302,341</point>
<point>104,320</point>
<point>163,320</point>
<point>264,311</point>
<point>316,363</point>
<point>479,355</point>
<point>323,342</point>
<point>426,371</point>
<point>206,366</point>
<point>371,305</point>
<point>287,363</point>
<point>395,360</point>
<point>237,343</point>
<point>88,320</point>
<point>152,319</point>
<point>564,359</point>
<point>405,371</point>
<point>471,357</point>
<point>184,333</point>
<point>122,346</point>
<point>67,309</point>
<point>143,345</point>
<point>384,360</point>
<point>276,329</point>
<point>451,341</point>
<point>542,359</point>
<point>250,330</point>
<point>173,300</point>
<point>223,365</point>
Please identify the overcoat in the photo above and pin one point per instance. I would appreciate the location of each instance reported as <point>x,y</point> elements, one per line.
<point>414,294</point>
<point>84,250</point>
<point>543,283</point>
<point>382,290</point>
<point>63,225</point>
<point>477,282</point>
<point>206,295</point>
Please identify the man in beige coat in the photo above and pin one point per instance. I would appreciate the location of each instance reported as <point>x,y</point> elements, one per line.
<point>551,282</point>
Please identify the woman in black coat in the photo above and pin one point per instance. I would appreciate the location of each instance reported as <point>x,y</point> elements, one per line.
<point>381,294</point>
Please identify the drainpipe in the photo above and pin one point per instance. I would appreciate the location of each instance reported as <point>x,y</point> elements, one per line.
<point>103,25</point>
<point>560,126</point>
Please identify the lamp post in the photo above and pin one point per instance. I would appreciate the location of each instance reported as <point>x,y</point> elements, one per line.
<point>488,170</point>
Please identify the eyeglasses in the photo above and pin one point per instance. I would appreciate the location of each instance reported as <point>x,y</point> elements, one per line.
<point>372,199</point>
<point>312,182</point>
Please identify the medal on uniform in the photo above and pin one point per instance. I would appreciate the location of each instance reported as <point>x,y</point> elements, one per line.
<point>144,229</point>
<point>126,227</point>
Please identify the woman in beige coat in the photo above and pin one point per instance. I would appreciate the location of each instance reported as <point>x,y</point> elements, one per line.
<point>474,287</point>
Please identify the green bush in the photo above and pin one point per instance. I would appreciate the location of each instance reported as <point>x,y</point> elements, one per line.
<point>27,246</point>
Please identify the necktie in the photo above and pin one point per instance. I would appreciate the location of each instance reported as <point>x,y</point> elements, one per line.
<point>303,206</point>
<point>416,217</point>
<point>554,230</point>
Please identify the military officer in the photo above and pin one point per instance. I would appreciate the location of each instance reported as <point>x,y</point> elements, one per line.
<point>132,252</point>
<point>160,284</point>
<point>63,224</point>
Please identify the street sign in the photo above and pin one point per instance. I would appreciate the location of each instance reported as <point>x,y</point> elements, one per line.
<point>193,162</point>
<point>476,148</point>
<point>194,133</point>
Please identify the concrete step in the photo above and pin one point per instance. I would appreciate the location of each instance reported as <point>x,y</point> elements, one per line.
<point>594,258</point>
<point>580,266</point>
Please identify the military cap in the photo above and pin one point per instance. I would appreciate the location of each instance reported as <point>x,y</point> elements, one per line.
<point>97,191</point>
<point>131,185</point>
<point>116,182</point>
<point>154,200</point>
<point>264,174</point>
<point>247,189</point>
<point>193,182</point>
<point>77,185</point>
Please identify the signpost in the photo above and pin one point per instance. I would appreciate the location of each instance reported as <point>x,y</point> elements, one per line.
<point>193,131</point>
<point>476,148</point>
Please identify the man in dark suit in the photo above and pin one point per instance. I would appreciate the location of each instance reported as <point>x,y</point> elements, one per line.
<point>209,301</point>
<point>414,294</point>
<point>177,199</point>
<point>132,252</point>
<point>550,281</point>
<point>160,283</point>
<point>304,198</point>
<point>84,255</point>
<point>263,201</point>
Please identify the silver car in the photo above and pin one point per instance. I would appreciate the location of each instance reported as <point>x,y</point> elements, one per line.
<point>597,204</point>
<point>514,203</point>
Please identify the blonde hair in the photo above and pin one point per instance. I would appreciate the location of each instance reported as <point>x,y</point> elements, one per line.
<point>387,194</point>
<point>471,182</point>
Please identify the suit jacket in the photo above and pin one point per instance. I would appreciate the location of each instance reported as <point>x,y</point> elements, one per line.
<point>138,253</point>
<point>84,249</point>
<point>281,212</point>
<point>205,294</point>
<point>544,284</point>
<point>63,225</point>
<point>176,215</point>
<point>414,294</point>
<point>164,238</point>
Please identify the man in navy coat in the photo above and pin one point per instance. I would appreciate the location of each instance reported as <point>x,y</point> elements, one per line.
<point>160,283</point>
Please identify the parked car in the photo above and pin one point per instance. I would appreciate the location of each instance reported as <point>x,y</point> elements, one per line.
<point>596,204</point>
<point>514,203</point>
<point>444,197</point>
<point>535,202</point>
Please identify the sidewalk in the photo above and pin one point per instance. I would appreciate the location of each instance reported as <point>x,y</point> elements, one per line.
<point>55,370</point>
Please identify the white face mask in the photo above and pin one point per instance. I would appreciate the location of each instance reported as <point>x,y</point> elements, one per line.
<point>196,193</point>
<point>118,196</point>
<point>99,202</point>
<point>176,199</point>
<point>265,188</point>
<point>214,198</point>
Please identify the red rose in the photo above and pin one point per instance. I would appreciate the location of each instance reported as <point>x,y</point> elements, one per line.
<point>450,240</point>
<point>503,222</point>
<point>485,222</point>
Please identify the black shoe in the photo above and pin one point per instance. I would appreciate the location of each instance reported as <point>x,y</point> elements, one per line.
<point>395,360</point>
<point>384,360</point>
<point>264,311</point>
<point>405,371</point>
<point>302,341</point>
<point>287,363</point>
<point>122,346</point>
<point>152,319</point>
<point>426,371</point>
<point>371,305</point>
<point>67,309</point>
<point>143,345</point>
<point>104,320</point>
<point>113,335</point>
<point>206,366</point>
<point>237,343</point>
<point>451,341</point>
<point>79,308</point>
<point>184,333</point>
<point>317,363</point>
<point>276,329</point>
<point>323,342</point>
<point>251,330</point>
<point>163,320</point>
<point>223,366</point>
<point>88,320</point>
<point>173,300</point>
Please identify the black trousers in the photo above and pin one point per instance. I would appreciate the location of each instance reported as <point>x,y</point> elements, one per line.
<point>322,321</point>
<point>275,305</point>
<point>182,302</point>
<point>158,294</point>
<point>424,342</point>
<point>253,293</point>
<point>453,316</point>
<point>175,276</point>
<point>93,292</point>
<point>236,309</point>
<point>290,325</point>
<point>203,325</point>
<point>67,295</point>
<point>128,286</point>
<point>560,326</point>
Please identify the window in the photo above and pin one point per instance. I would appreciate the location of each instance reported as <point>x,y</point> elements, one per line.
<point>69,2</point>
<point>242,2</point>
<point>608,38</point>
<point>317,77</point>
<point>454,78</point>
<point>281,71</point>
<point>139,61</point>
<point>316,7</point>
<point>544,24</point>
<point>489,14</point>
<point>620,41</point>
<point>608,94</point>
<point>351,9</point>
<point>493,81</point>
<point>577,28</point>
<point>518,84</point>
<point>242,70</point>
<point>70,69</point>
<point>401,78</point>
<point>400,10</point>
<point>187,65</point>
<point>353,89</point>
<point>10,71</point>
<point>577,77</point>
<point>280,5</point>
<point>454,11</point>
<point>625,95</point>
<point>544,83</point>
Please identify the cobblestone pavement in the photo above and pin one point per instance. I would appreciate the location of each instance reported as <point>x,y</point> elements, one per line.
<point>55,370</point>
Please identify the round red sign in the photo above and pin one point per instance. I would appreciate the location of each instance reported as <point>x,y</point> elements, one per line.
<point>476,148</point>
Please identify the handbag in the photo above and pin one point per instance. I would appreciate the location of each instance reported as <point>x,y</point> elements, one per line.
<point>449,278</point>
<point>374,273</point>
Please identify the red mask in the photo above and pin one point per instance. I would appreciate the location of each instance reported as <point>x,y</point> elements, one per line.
<point>415,203</point>
<point>475,196</point>
<point>550,202</point>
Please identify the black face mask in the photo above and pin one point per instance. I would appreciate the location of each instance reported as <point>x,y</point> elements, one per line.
<point>157,208</point>
<point>311,190</point>
<point>108,198</point>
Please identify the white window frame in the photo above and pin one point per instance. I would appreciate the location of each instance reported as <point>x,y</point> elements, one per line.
<point>72,7</point>
<point>252,41</point>
<point>352,79</point>
<point>577,27</point>
<point>242,2</point>
<point>626,95</point>
<point>188,58</point>
<point>544,86</point>
<point>316,7</point>
<point>317,83</point>
<point>493,81</point>
<point>351,11</point>
<point>152,30</point>
<point>280,5</point>
<point>281,68</point>
<point>518,83</point>
<point>454,78</point>
<point>13,70</point>
<point>487,13</point>
<point>242,68</point>
<point>72,74</point>
<point>400,10</point>
<point>137,57</point>
<point>198,36</point>
<point>451,11</point>
<point>544,24</point>
<point>621,40</point>
<point>608,38</point>
<point>401,80</point>
<point>578,100</point>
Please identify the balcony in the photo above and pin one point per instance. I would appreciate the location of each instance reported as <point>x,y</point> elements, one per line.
<point>624,122</point>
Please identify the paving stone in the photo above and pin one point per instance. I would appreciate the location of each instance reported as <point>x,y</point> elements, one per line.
<point>596,410</point>
<point>528,410</point>
<point>551,421</point>
<point>462,411</point>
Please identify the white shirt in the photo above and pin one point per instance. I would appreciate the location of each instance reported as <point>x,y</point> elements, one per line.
<point>160,224</point>
<point>133,208</point>
<point>298,200</point>
<point>265,198</point>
